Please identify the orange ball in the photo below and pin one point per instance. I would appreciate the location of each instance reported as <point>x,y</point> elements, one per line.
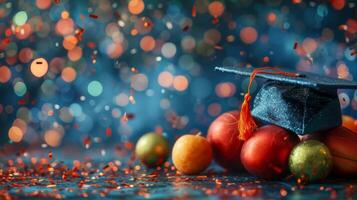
<point>191,154</point>
<point>349,122</point>
<point>342,143</point>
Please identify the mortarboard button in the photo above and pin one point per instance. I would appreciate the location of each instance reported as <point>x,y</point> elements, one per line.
<point>305,103</point>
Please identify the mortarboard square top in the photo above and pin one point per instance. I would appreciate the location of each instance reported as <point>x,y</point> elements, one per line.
<point>304,104</point>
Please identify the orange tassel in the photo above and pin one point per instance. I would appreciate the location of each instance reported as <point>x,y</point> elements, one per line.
<point>246,123</point>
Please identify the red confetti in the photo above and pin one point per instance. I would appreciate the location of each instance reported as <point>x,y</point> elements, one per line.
<point>295,45</point>
<point>93,16</point>
<point>79,33</point>
<point>215,20</point>
<point>87,142</point>
<point>6,41</point>
<point>91,45</point>
<point>94,58</point>
<point>117,14</point>
<point>185,28</point>
<point>50,155</point>
<point>218,47</point>
<point>57,1</point>
<point>354,53</point>
<point>194,11</point>
<point>127,116</point>
<point>108,132</point>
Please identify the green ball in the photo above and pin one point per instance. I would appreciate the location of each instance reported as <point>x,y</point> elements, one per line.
<point>310,161</point>
<point>152,149</point>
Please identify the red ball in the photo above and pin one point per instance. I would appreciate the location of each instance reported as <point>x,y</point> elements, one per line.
<point>266,153</point>
<point>223,136</point>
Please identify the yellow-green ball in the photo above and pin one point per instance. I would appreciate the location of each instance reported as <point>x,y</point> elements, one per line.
<point>152,149</point>
<point>310,161</point>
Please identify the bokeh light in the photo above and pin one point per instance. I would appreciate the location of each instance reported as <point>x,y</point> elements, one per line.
<point>139,82</point>
<point>20,18</point>
<point>248,35</point>
<point>216,8</point>
<point>39,67</point>
<point>147,43</point>
<point>53,137</point>
<point>15,134</point>
<point>95,88</point>
<point>20,89</point>
<point>68,74</point>
<point>5,74</point>
<point>180,83</point>
<point>225,89</point>
<point>165,79</point>
<point>168,50</point>
<point>136,6</point>
<point>43,4</point>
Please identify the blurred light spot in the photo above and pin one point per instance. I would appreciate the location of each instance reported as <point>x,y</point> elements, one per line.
<point>168,50</point>
<point>21,124</point>
<point>65,15</point>
<point>165,79</point>
<point>180,83</point>
<point>271,18</point>
<point>147,43</point>
<point>23,32</point>
<point>188,43</point>
<point>5,74</point>
<point>165,103</point>
<point>20,18</point>
<point>39,67</point>
<point>75,109</point>
<point>65,26</point>
<point>212,36</point>
<point>309,45</point>
<point>26,55</point>
<point>225,89</point>
<point>95,88</point>
<point>216,8</point>
<point>248,35</point>
<point>75,54</point>
<point>43,4</point>
<point>214,109</point>
<point>338,4</point>
<point>139,82</point>
<point>136,6</point>
<point>70,42</point>
<point>20,89</point>
<point>65,115</point>
<point>53,137</point>
<point>68,74</point>
<point>114,50</point>
<point>122,99</point>
<point>15,134</point>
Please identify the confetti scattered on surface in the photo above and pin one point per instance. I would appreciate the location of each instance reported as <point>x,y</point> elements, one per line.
<point>80,81</point>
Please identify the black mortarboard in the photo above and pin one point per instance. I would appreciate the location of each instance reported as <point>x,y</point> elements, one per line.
<point>303,104</point>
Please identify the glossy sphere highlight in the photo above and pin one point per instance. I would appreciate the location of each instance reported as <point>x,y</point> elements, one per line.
<point>266,153</point>
<point>310,161</point>
<point>152,149</point>
<point>342,144</point>
<point>223,136</point>
<point>191,154</point>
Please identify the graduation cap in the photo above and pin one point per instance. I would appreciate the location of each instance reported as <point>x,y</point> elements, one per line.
<point>300,102</point>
